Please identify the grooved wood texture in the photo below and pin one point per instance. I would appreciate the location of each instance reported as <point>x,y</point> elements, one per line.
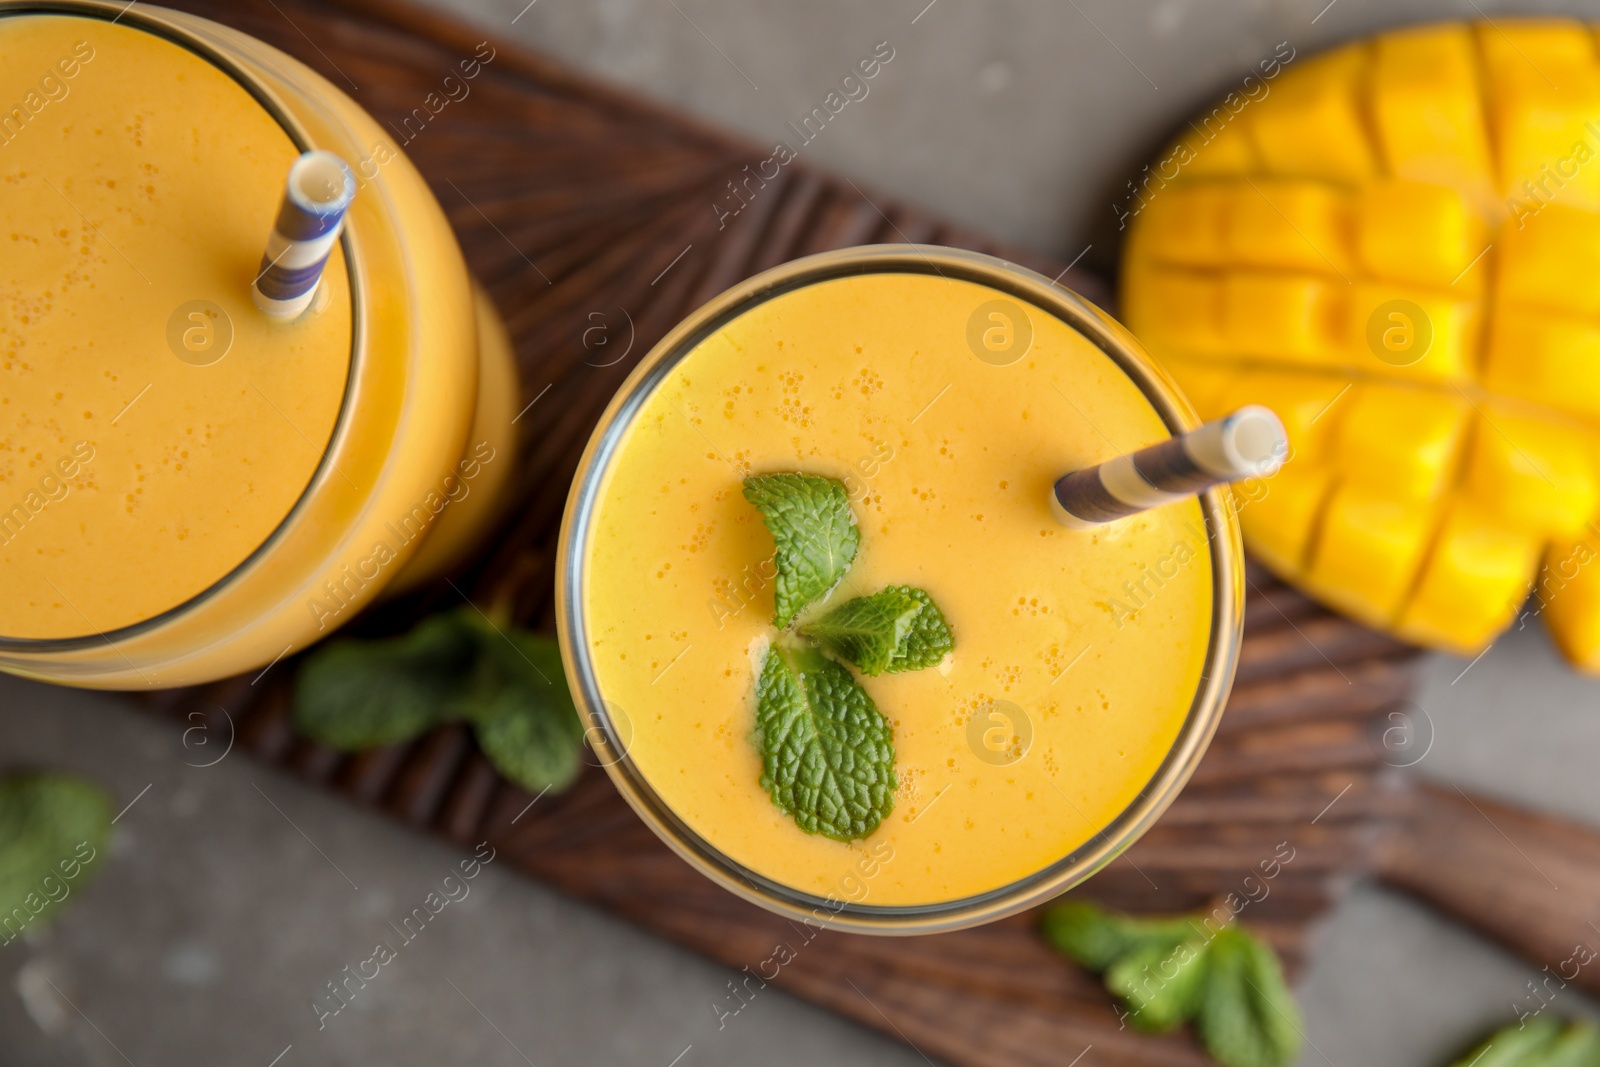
<point>569,199</point>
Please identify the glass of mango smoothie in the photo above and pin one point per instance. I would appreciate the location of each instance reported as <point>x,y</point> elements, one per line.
<point>188,487</point>
<point>835,647</point>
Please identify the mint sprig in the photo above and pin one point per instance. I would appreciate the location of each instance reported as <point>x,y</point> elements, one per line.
<point>1169,971</point>
<point>815,533</point>
<point>369,694</point>
<point>1540,1042</point>
<point>1247,1017</point>
<point>927,641</point>
<point>827,751</point>
<point>53,830</point>
<point>353,694</point>
<point>1162,986</point>
<point>867,631</point>
<point>1097,938</point>
<point>895,629</point>
<point>521,709</point>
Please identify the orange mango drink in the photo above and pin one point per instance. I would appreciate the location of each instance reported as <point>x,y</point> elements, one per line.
<point>945,392</point>
<point>189,489</point>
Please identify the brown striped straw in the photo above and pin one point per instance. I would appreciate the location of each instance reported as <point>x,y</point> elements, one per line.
<point>1250,443</point>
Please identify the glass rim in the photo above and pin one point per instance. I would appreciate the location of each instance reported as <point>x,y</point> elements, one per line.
<point>1205,711</point>
<point>152,20</point>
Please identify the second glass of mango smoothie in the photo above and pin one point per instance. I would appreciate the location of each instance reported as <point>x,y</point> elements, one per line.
<point>192,489</point>
<point>914,406</point>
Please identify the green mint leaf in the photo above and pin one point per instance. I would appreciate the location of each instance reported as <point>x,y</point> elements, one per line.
<point>827,753</point>
<point>1578,1046</point>
<point>352,694</point>
<point>869,630</point>
<point>1247,1017</point>
<point>509,683</point>
<point>1531,1043</point>
<point>522,711</point>
<point>1096,938</point>
<point>927,640</point>
<point>815,533</point>
<point>1161,986</point>
<point>53,831</point>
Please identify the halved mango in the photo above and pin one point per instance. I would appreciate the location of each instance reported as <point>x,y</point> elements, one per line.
<point>1285,316</point>
<point>1416,232</point>
<point>1411,332</point>
<point>1217,143</point>
<point>1473,584</point>
<point>1314,127</point>
<point>1567,593</point>
<point>1427,107</point>
<point>1544,88</point>
<point>1544,357</point>
<point>1186,225</point>
<point>1304,226</point>
<point>1176,309</point>
<point>1279,514</point>
<point>1202,382</point>
<point>1552,260</point>
<point>1532,471</point>
<point>1401,442</point>
<point>1367,553</point>
<point>1396,245</point>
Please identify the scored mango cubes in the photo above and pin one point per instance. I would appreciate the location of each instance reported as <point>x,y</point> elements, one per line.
<point>1396,245</point>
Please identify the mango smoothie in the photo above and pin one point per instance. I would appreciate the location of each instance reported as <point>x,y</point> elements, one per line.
<point>1087,666</point>
<point>187,487</point>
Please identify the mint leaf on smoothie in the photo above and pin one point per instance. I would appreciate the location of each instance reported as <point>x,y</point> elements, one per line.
<point>867,631</point>
<point>827,752</point>
<point>927,641</point>
<point>815,533</point>
<point>897,629</point>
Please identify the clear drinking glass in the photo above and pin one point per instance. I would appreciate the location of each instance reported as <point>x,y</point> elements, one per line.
<point>610,732</point>
<point>431,387</point>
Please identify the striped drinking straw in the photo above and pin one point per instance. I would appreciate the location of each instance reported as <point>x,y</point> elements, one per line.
<point>1251,442</point>
<point>315,198</point>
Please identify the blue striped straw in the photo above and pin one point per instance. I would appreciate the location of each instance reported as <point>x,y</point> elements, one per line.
<point>315,198</point>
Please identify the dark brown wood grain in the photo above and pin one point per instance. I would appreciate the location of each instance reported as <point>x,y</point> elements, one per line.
<point>1530,881</point>
<point>571,198</point>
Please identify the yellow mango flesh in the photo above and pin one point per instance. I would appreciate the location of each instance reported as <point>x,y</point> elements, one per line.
<point>1380,543</point>
<point>1396,245</point>
<point>1426,109</point>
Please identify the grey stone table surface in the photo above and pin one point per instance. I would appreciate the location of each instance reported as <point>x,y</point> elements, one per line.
<point>233,894</point>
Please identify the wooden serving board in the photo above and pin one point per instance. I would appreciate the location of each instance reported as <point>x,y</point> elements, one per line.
<point>574,201</point>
